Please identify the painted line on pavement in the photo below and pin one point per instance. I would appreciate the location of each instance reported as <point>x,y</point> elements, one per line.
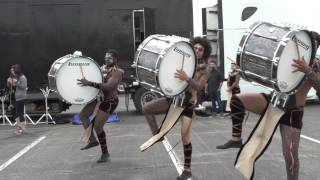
<point>310,139</point>
<point>174,158</point>
<point>20,153</point>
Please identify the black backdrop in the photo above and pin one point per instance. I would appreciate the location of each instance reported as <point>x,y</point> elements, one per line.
<point>34,33</point>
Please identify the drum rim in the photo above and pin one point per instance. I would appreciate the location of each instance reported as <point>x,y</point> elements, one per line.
<point>289,35</point>
<point>277,55</point>
<point>70,56</point>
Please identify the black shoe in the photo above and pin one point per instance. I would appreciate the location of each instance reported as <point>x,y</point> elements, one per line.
<point>185,175</point>
<point>104,158</point>
<point>230,144</point>
<point>90,145</point>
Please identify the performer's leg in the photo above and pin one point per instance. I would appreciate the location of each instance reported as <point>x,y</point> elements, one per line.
<point>84,114</point>
<point>239,103</point>
<point>290,145</point>
<point>98,126</point>
<point>237,116</point>
<point>105,109</point>
<point>187,146</point>
<point>201,97</point>
<point>218,96</point>
<point>153,107</point>
<point>20,110</point>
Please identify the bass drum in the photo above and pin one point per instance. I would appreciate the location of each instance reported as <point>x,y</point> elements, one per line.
<point>157,59</point>
<point>63,76</point>
<point>266,53</point>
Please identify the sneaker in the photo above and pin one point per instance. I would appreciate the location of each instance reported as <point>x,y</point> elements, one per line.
<point>104,158</point>
<point>90,145</point>
<point>23,126</point>
<point>230,144</point>
<point>18,131</point>
<point>185,175</point>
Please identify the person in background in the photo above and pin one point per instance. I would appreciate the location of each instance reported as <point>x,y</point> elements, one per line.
<point>213,88</point>
<point>18,84</point>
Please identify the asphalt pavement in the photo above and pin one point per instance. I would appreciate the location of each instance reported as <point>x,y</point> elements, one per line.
<point>50,152</point>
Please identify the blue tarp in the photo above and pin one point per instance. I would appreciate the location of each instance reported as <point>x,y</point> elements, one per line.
<point>112,118</point>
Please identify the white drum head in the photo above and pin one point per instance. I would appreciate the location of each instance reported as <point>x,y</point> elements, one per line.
<point>66,80</point>
<point>179,56</point>
<point>288,81</point>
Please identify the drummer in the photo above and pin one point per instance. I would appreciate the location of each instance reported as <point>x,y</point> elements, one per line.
<point>113,76</point>
<point>161,105</point>
<point>290,122</point>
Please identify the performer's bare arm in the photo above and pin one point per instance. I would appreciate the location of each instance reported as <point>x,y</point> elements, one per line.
<point>314,79</point>
<point>110,85</point>
<point>197,83</point>
<point>112,82</point>
<point>313,74</point>
<point>11,82</point>
<point>236,82</point>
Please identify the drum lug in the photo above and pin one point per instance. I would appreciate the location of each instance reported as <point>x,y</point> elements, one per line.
<point>178,100</point>
<point>149,85</point>
<point>256,75</point>
<point>134,65</point>
<point>256,55</point>
<point>147,69</point>
<point>273,38</point>
<point>275,61</point>
<point>273,82</point>
<point>285,40</point>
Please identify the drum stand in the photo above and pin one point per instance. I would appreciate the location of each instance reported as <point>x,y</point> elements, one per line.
<point>3,115</point>
<point>26,116</point>
<point>46,114</point>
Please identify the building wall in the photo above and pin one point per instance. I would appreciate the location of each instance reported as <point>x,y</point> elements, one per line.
<point>35,33</point>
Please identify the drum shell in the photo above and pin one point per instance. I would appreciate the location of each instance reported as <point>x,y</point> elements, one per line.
<point>259,59</point>
<point>54,71</point>
<point>149,56</point>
